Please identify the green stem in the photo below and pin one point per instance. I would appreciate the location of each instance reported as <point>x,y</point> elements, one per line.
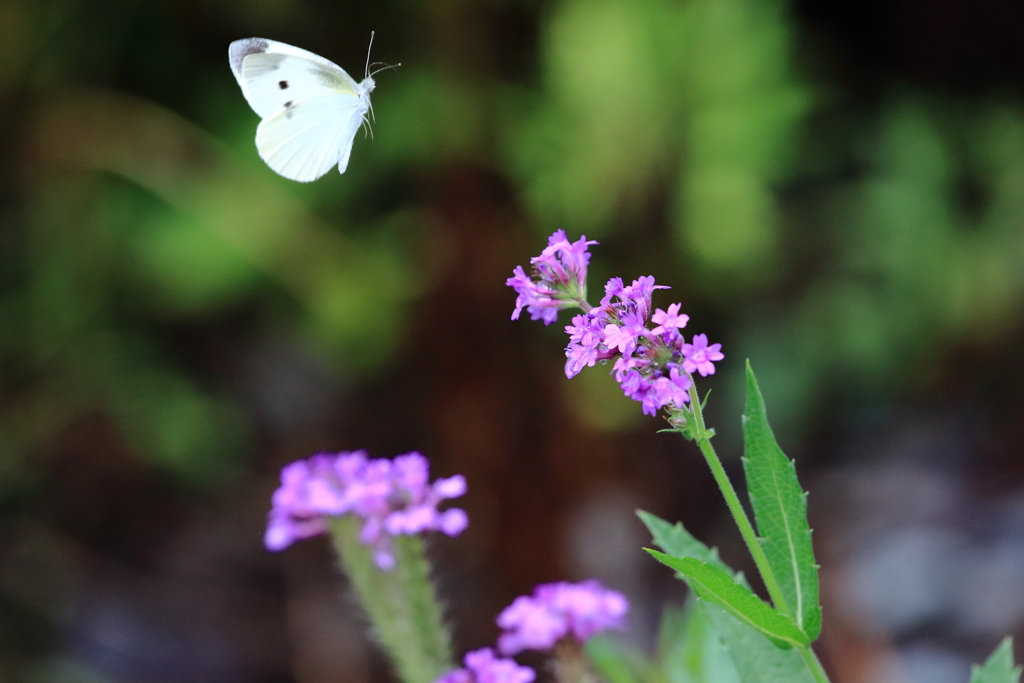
<point>403,609</point>
<point>736,508</point>
<point>813,664</point>
<point>747,531</point>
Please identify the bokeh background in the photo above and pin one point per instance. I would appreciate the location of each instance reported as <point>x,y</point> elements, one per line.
<point>834,190</point>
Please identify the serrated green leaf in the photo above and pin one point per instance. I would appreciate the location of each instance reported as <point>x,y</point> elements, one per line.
<point>676,541</point>
<point>998,668</point>
<point>713,585</point>
<point>780,512</point>
<point>757,659</point>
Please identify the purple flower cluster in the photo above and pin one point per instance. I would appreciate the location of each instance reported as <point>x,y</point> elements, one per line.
<point>537,622</point>
<point>652,366</point>
<point>392,496</point>
<point>556,610</point>
<point>653,361</point>
<point>483,667</point>
<point>559,279</point>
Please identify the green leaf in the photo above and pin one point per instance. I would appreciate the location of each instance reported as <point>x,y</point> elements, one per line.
<point>690,649</point>
<point>780,511</point>
<point>756,659</point>
<point>713,585</point>
<point>678,652</point>
<point>999,667</point>
<point>617,662</point>
<point>676,541</point>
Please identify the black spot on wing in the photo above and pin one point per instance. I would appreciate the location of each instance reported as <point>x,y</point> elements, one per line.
<point>288,104</point>
<point>283,85</point>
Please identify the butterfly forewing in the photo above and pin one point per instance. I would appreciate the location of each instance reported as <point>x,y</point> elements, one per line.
<point>240,49</point>
<point>272,82</point>
<point>307,139</point>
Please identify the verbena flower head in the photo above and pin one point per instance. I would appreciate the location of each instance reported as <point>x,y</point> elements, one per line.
<point>653,363</point>
<point>559,279</point>
<point>557,610</point>
<point>483,667</point>
<point>392,496</point>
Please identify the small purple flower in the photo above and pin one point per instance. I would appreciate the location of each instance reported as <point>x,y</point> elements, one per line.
<point>586,343</point>
<point>392,496</point>
<point>534,626</point>
<point>633,384</point>
<point>669,321</point>
<point>640,292</point>
<point>559,279</point>
<point>539,298</point>
<point>588,606</point>
<point>483,667</point>
<point>699,355</point>
<point>453,522</point>
<point>557,610</point>
<point>621,339</point>
<point>682,383</point>
<point>578,357</point>
<point>612,289</point>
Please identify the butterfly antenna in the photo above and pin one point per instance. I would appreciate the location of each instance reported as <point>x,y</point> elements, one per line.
<point>367,70</point>
<point>385,67</point>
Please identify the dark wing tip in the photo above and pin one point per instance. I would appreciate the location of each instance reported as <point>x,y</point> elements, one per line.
<point>240,49</point>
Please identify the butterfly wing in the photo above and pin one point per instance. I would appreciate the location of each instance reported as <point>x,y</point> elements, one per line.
<point>273,74</point>
<point>306,139</point>
<point>240,49</point>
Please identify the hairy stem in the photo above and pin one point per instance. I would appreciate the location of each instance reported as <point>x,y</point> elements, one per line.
<point>403,608</point>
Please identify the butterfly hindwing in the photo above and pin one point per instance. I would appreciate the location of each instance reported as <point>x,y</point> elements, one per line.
<point>305,140</point>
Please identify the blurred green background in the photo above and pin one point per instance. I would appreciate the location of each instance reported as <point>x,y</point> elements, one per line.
<point>833,190</point>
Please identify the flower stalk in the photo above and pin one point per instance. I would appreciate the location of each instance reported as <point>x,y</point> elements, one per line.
<point>739,515</point>
<point>405,614</point>
<point>571,664</point>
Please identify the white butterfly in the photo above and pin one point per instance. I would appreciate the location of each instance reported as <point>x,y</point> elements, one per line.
<point>311,108</point>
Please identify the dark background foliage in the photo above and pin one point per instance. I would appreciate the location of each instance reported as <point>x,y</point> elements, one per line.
<point>833,190</point>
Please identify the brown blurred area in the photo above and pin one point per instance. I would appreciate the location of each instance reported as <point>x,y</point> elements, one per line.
<point>835,191</point>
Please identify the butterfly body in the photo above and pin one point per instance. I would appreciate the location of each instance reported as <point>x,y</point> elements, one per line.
<point>310,107</point>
